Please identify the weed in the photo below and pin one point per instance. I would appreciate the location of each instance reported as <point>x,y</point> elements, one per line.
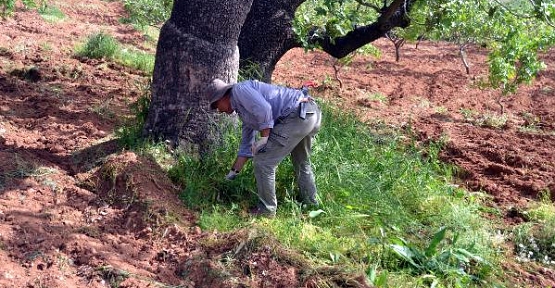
<point>531,122</point>
<point>104,46</point>
<point>250,70</point>
<point>446,260</point>
<point>50,13</point>
<point>441,110</point>
<point>114,276</point>
<point>147,12</point>
<point>491,120</point>
<point>377,96</point>
<point>468,114</point>
<point>136,59</point>
<point>100,45</point>
<point>7,7</point>
<point>130,134</point>
<point>535,240</point>
<point>104,109</point>
<point>362,184</point>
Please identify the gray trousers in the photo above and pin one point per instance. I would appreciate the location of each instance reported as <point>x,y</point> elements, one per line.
<point>290,135</point>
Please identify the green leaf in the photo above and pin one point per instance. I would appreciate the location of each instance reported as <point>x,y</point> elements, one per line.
<point>406,253</point>
<point>438,237</point>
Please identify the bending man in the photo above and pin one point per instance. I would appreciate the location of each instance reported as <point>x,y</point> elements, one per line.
<point>286,121</point>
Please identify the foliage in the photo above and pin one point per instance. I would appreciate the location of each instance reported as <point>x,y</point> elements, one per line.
<point>7,7</point>
<point>147,12</point>
<point>129,135</point>
<point>515,31</point>
<point>448,260</point>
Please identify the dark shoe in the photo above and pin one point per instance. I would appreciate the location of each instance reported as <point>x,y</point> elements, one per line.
<point>260,212</point>
<point>311,204</point>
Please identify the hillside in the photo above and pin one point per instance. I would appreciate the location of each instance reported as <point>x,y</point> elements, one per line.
<point>76,210</point>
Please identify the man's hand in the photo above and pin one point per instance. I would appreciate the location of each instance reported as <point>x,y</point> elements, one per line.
<point>259,145</point>
<point>231,175</point>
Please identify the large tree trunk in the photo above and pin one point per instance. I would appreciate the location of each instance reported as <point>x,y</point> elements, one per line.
<point>267,35</point>
<point>197,44</point>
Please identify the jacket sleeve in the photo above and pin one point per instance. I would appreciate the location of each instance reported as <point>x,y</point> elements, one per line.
<point>255,104</point>
<point>247,138</point>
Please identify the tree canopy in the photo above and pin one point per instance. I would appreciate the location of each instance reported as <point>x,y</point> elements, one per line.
<point>514,30</point>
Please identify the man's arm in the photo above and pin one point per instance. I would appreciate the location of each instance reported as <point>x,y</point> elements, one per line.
<point>239,163</point>
<point>265,132</point>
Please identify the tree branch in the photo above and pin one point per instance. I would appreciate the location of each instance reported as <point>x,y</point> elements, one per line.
<point>370,5</point>
<point>394,16</point>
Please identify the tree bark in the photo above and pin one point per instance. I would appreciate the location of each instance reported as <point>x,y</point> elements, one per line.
<point>197,44</point>
<point>266,36</point>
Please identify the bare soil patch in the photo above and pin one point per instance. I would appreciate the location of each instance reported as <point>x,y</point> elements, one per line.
<point>77,211</point>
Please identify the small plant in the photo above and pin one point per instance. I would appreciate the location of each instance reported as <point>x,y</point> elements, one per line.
<point>104,109</point>
<point>250,70</point>
<point>114,276</point>
<point>136,59</point>
<point>377,96</point>
<point>440,260</point>
<point>143,13</point>
<point>98,46</point>
<point>492,120</point>
<point>536,242</point>
<point>129,135</point>
<point>104,46</point>
<point>531,121</point>
<point>468,114</point>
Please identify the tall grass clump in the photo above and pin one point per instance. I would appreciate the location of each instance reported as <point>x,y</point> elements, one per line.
<point>130,134</point>
<point>104,46</point>
<point>385,208</point>
<point>98,46</point>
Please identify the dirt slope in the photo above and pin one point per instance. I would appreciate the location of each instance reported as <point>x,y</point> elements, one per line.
<point>76,211</point>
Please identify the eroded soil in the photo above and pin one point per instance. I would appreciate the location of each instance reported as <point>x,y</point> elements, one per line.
<point>76,210</point>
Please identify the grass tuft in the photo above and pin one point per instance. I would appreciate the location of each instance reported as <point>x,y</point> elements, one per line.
<point>104,46</point>
<point>51,13</point>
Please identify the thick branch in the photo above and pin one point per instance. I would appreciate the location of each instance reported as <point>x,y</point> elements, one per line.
<point>339,47</point>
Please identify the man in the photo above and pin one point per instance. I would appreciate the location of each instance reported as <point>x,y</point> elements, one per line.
<point>286,121</point>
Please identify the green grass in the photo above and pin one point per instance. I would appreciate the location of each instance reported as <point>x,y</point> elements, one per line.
<point>98,46</point>
<point>376,194</point>
<point>103,46</point>
<point>535,239</point>
<point>51,13</point>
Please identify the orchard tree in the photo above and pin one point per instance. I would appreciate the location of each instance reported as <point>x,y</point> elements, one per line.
<point>199,42</point>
